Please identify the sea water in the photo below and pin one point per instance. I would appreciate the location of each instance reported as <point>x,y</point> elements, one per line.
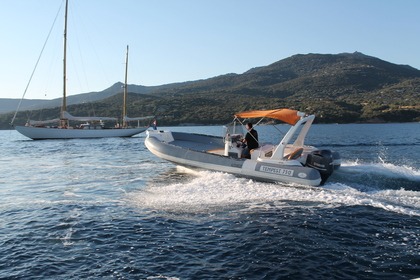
<point>109,209</point>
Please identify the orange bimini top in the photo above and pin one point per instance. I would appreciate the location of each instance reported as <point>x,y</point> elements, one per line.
<point>285,115</point>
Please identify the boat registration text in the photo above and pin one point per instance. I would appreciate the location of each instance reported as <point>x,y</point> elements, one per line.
<point>276,170</point>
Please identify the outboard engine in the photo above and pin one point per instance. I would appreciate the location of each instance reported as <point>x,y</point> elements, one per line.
<point>321,160</point>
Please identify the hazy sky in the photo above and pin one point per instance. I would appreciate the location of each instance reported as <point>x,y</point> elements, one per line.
<point>185,40</point>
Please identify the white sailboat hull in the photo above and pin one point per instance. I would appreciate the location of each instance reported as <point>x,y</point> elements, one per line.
<point>39,133</point>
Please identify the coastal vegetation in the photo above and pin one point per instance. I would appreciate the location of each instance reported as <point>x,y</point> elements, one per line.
<point>340,88</point>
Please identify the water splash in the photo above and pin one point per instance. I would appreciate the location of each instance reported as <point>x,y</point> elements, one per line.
<point>378,175</point>
<point>214,191</point>
<point>382,168</point>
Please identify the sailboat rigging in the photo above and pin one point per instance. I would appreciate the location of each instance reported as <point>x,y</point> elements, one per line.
<point>93,128</point>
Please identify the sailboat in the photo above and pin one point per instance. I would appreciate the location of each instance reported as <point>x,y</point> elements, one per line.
<point>92,128</point>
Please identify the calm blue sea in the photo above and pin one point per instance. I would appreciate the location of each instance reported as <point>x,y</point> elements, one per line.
<point>109,209</point>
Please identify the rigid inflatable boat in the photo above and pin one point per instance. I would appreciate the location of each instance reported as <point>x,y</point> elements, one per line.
<point>289,161</point>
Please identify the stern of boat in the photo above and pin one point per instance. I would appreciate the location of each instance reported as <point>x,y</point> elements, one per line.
<point>325,161</point>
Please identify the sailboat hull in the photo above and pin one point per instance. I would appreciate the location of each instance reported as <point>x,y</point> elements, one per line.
<point>40,133</point>
<point>86,131</point>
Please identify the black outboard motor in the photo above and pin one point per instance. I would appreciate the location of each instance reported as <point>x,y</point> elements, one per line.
<point>321,160</point>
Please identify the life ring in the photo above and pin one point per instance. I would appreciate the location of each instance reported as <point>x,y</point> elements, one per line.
<point>295,154</point>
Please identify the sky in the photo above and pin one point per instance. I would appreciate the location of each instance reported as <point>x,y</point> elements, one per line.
<point>186,40</point>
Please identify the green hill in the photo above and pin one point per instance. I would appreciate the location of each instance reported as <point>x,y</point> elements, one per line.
<point>338,88</point>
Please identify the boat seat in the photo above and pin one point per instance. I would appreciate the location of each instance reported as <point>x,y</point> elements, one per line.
<point>265,150</point>
<point>295,154</point>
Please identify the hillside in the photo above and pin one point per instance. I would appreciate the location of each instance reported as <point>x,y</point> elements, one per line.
<point>339,88</point>
<point>9,105</point>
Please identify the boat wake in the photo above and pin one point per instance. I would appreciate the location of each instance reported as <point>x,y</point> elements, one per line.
<point>206,191</point>
<point>379,175</point>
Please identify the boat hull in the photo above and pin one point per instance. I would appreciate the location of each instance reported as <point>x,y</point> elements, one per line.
<point>41,133</point>
<point>193,150</point>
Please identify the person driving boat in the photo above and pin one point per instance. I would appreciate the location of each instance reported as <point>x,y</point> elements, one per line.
<point>250,140</point>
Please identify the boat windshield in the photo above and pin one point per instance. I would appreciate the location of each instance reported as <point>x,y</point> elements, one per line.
<point>233,128</point>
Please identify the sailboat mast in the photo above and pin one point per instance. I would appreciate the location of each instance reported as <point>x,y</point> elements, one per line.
<point>64,102</point>
<point>125,91</point>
